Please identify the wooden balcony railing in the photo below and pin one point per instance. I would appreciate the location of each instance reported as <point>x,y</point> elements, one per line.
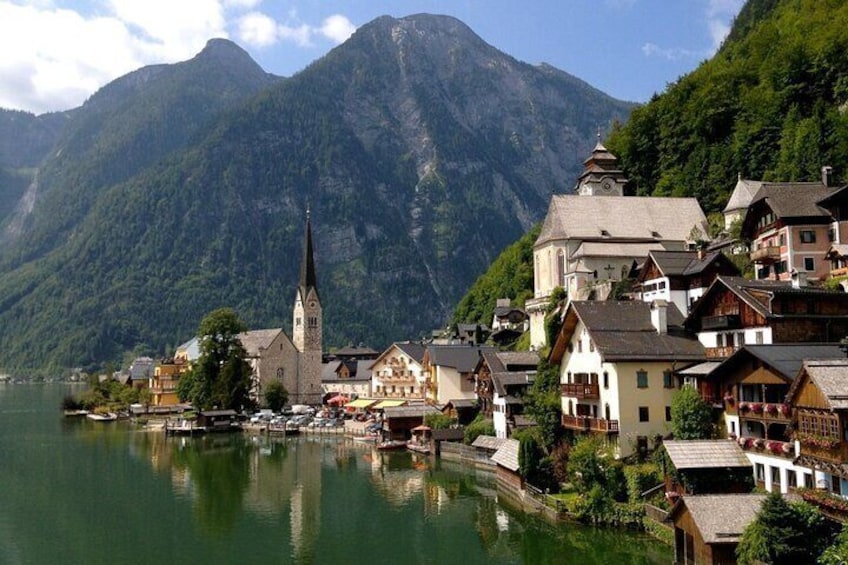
<point>719,352</point>
<point>765,411</point>
<point>768,254</point>
<point>721,322</point>
<point>838,272</point>
<point>580,391</point>
<point>768,446</point>
<point>585,423</point>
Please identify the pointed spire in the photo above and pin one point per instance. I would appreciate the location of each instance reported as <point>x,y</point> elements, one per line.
<point>307,266</point>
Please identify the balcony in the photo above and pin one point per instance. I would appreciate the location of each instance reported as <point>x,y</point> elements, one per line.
<point>765,411</point>
<point>722,322</point>
<point>719,352</point>
<point>839,272</point>
<point>587,424</point>
<point>767,447</point>
<point>580,391</point>
<point>769,254</point>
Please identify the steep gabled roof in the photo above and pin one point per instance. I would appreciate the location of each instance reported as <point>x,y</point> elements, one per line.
<point>511,378</point>
<point>684,263</point>
<point>831,378</point>
<point>622,217</point>
<point>463,358</point>
<point>742,195</point>
<point>518,359</point>
<point>705,454</point>
<point>254,341</point>
<point>414,351</point>
<point>786,359</point>
<point>623,331</point>
<point>794,199</point>
<point>721,518</point>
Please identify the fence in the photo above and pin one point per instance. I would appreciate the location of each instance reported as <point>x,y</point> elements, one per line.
<point>657,514</point>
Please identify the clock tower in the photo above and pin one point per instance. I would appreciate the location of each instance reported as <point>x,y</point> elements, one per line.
<point>601,175</point>
<point>307,327</point>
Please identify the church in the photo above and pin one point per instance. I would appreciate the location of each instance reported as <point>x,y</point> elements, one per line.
<point>295,361</point>
<point>592,239</point>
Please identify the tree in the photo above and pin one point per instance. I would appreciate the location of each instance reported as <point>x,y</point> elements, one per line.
<point>691,416</point>
<point>276,396</point>
<point>837,553</point>
<point>783,533</point>
<point>221,377</point>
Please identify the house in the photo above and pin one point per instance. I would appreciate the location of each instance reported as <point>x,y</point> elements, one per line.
<point>681,277</point>
<point>617,362</point>
<point>708,528</point>
<point>398,372</point>
<point>449,370</point>
<point>591,240</point>
<point>503,377</point>
<point>350,378</point>
<point>167,373</point>
<point>272,357</point>
<point>463,410</point>
<point>736,311</point>
<point>140,371</point>
<point>508,322</point>
<point>754,383</point>
<point>792,225</point>
<point>706,467</point>
<point>819,399</point>
<point>398,421</point>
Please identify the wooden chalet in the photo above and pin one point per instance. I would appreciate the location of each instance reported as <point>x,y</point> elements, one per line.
<point>708,528</point>
<point>736,311</point>
<point>819,397</point>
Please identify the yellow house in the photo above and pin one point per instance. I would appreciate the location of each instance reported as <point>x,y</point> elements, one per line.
<point>617,362</point>
<point>166,375</point>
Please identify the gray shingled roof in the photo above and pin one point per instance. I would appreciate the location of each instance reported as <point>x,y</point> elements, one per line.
<point>409,411</point>
<point>488,442</point>
<point>511,378</point>
<point>742,195</point>
<point>463,358</point>
<point>682,263</point>
<point>256,340</point>
<point>831,378</point>
<point>721,518</point>
<point>507,455</point>
<point>623,217</point>
<point>414,350</point>
<point>328,371</point>
<point>615,248</point>
<point>794,199</point>
<point>518,359</point>
<point>705,454</point>
<point>623,330</point>
<point>785,358</point>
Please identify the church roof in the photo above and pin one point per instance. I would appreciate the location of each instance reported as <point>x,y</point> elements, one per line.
<point>742,195</point>
<point>255,341</point>
<point>644,218</point>
<point>307,265</point>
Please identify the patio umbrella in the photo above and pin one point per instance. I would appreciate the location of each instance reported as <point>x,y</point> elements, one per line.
<point>339,399</point>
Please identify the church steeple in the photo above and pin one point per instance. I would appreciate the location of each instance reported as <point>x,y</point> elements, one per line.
<point>307,265</point>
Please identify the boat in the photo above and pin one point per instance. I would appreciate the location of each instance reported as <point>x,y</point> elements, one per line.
<point>418,447</point>
<point>391,445</point>
<point>109,417</point>
<point>366,439</point>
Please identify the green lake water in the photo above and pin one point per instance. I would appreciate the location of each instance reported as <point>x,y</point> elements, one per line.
<point>84,492</point>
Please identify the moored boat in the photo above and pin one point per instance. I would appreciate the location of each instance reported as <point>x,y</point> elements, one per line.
<point>390,445</point>
<point>109,417</point>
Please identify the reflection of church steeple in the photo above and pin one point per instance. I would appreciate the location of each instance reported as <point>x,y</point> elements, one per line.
<point>601,175</point>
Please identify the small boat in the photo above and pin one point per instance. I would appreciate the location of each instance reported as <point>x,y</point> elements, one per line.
<point>390,445</point>
<point>418,447</point>
<point>110,417</point>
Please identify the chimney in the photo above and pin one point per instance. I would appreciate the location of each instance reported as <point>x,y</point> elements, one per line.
<point>827,175</point>
<point>799,279</point>
<point>659,315</point>
<point>700,253</point>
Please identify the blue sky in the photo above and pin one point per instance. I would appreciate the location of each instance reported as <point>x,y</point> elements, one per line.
<point>56,53</point>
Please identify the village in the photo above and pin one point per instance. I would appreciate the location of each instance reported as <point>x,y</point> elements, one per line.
<point>633,302</point>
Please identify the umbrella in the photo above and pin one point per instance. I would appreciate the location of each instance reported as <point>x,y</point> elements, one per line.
<point>339,399</point>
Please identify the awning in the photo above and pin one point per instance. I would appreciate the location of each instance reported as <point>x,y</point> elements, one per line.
<point>390,403</point>
<point>361,403</point>
<point>421,428</point>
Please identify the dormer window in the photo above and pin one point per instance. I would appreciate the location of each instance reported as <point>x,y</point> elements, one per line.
<point>656,234</point>
<point>605,233</point>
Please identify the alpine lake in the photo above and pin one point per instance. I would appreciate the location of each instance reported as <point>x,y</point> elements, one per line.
<point>76,491</point>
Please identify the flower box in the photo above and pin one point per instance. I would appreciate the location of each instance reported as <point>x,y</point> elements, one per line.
<point>729,399</point>
<point>759,443</point>
<point>744,406</point>
<point>785,409</point>
<point>820,442</point>
<point>787,448</point>
<point>771,409</point>
<point>756,408</point>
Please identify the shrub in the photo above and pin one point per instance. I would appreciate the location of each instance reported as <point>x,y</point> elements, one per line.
<point>641,478</point>
<point>481,426</point>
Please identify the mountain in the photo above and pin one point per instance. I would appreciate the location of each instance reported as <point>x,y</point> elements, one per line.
<point>421,151</point>
<point>771,105</point>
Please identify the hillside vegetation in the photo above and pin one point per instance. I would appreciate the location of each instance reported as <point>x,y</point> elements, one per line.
<point>771,105</point>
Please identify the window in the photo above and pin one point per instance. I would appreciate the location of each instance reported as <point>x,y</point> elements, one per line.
<point>781,240</point>
<point>808,236</point>
<point>809,264</point>
<point>313,322</point>
<point>775,477</point>
<point>668,413</point>
<point>831,235</point>
<point>836,485</point>
<point>760,472</point>
<point>643,414</point>
<point>606,379</point>
<point>297,322</point>
<point>758,338</point>
<point>642,379</point>
<point>668,382</point>
<point>579,346</point>
<point>591,346</point>
<point>808,480</point>
<point>792,479</point>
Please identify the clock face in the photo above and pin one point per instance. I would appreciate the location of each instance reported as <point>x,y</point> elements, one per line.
<point>312,305</point>
<point>606,186</point>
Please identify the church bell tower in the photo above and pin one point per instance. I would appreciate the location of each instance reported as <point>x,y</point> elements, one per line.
<point>307,321</point>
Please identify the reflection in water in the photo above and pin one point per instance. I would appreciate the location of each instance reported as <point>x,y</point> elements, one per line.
<point>111,493</point>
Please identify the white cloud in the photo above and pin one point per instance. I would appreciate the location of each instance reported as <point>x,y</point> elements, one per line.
<point>720,14</point>
<point>257,29</point>
<point>55,56</point>
<point>337,28</point>
<point>672,54</point>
